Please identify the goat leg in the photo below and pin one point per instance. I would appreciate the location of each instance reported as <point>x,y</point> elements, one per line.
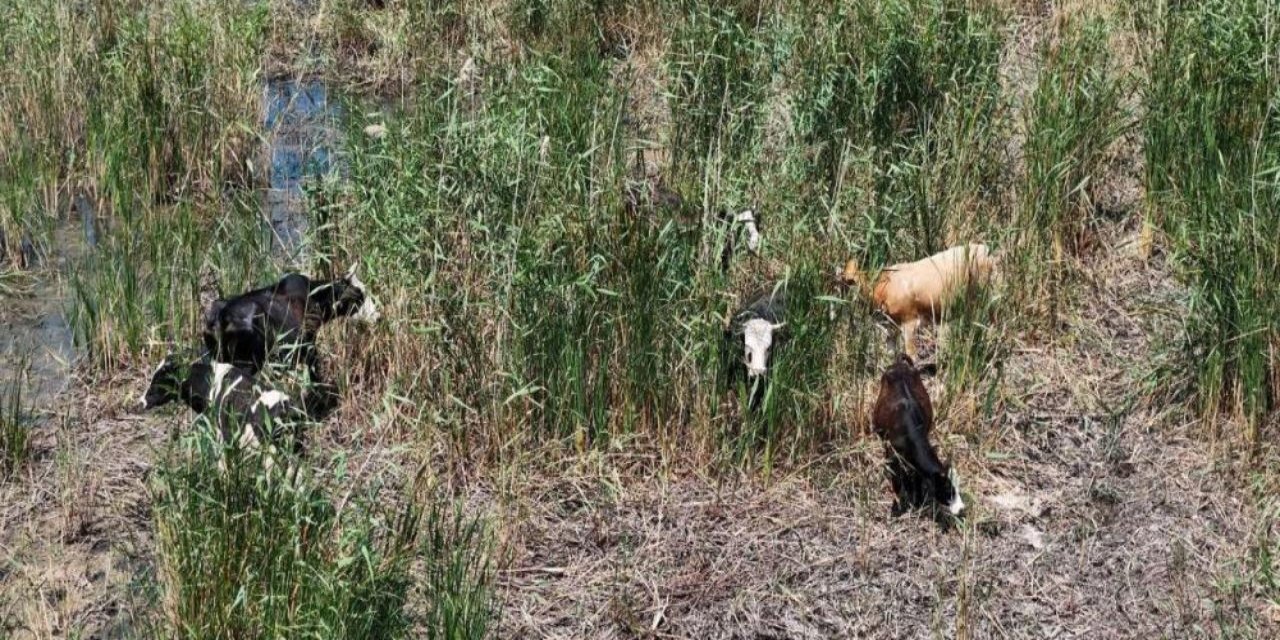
<point>322,396</point>
<point>909,329</point>
<point>899,479</point>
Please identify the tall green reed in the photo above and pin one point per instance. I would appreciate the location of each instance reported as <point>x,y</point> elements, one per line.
<point>719,74</point>
<point>250,544</point>
<point>148,111</point>
<point>15,423</point>
<point>1212,157</point>
<point>1073,116</point>
<point>894,105</point>
<point>168,154</point>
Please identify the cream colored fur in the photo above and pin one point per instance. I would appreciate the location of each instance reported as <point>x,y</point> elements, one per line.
<point>914,293</point>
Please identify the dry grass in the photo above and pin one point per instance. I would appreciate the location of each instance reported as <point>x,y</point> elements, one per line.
<point>1096,511</point>
<point>1089,520</point>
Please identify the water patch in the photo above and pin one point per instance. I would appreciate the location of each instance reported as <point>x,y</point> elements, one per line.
<point>37,347</point>
<point>88,219</point>
<point>302,127</point>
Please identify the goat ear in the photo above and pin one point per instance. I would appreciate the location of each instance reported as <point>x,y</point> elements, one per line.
<point>778,326</point>
<point>353,279</point>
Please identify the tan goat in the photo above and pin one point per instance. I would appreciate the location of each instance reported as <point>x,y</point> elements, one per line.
<point>912,293</point>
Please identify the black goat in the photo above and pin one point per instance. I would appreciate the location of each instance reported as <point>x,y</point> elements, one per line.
<point>746,221</point>
<point>653,196</point>
<point>903,417</point>
<point>286,316</point>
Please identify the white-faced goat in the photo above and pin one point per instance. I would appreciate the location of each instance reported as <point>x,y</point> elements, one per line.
<point>903,417</point>
<point>752,336</point>
<point>283,318</point>
<point>229,396</point>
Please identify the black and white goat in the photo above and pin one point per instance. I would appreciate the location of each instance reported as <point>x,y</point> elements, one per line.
<point>651,197</point>
<point>903,417</point>
<point>734,226</point>
<point>238,404</point>
<point>247,329</point>
<point>751,336</point>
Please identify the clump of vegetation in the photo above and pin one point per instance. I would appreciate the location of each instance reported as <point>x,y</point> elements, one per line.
<point>15,429</point>
<point>898,86</point>
<point>547,303</point>
<point>1212,159</point>
<point>502,221</point>
<point>1073,117</point>
<point>148,112</point>
<point>720,72</point>
<point>250,544</point>
<point>457,574</point>
<point>973,349</point>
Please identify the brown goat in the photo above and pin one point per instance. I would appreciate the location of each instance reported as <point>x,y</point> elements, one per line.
<point>903,418</point>
<point>912,293</point>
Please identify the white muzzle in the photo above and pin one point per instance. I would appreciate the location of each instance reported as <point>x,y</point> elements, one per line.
<point>757,338</point>
<point>368,311</point>
<point>957,503</point>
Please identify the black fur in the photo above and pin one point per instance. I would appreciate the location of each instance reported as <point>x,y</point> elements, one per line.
<point>280,320</point>
<point>903,417</point>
